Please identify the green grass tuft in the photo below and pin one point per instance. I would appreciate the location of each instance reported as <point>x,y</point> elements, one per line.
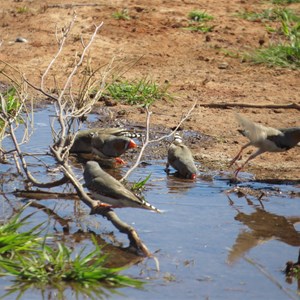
<point>283,2</point>
<point>121,15</point>
<point>278,55</point>
<point>200,27</point>
<point>139,92</point>
<point>22,10</point>
<point>9,107</point>
<point>271,14</point>
<point>140,185</point>
<point>13,241</point>
<point>199,16</point>
<point>198,21</point>
<point>51,266</point>
<point>286,53</point>
<point>26,257</point>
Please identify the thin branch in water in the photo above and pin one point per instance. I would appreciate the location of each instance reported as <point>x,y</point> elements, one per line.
<point>148,141</point>
<point>133,237</point>
<point>269,276</point>
<point>17,163</point>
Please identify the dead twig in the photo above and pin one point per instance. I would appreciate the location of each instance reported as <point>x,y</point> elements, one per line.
<point>147,140</point>
<point>133,237</point>
<point>227,105</point>
<point>42,195</point>
<point>68,6</point>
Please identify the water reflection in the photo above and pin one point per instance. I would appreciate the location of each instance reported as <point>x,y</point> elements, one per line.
<point>196,229</point>
<point>179,185</point>
<point>60,290</point>
<point>262,226</point>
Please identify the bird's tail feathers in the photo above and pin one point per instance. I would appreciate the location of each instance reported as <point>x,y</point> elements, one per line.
<point>147,205</point>
<point>129,133</point>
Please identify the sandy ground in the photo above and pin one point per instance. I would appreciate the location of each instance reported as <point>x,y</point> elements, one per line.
<point>195,65</point>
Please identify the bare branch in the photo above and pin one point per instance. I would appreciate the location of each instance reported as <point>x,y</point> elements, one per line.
<point>68,109</point>
<point>148,141</point>
<point>133,237</point>
<point>61,41</point>
<point>183,119</point>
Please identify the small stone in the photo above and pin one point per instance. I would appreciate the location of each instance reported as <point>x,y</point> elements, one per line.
<point>20,40</point>
<point>121,113</point>
<point>207,38</point>
<point>110,102</point>
<point>261,41</point>
<point>223,66</point>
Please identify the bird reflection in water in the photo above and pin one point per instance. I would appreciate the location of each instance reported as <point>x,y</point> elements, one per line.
<point>179,185</point>
<point>262,226</point>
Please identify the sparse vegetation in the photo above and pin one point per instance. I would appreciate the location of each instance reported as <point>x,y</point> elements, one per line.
<point>13,241</point>
<point>10,109</point>
<point>200,27</point>
<point>229,53</point>
<point>284,2</point>
<point>25,256</point>
<point>9,104</point>
<point>22,9</point>
<point>199,16</point>
<point>121,15</point>
<point>198,21</point>
<point>140,185</point>
<point>138,92</point>
<point>285,53</point>
<point>52,266</point>
<point>271,14</point>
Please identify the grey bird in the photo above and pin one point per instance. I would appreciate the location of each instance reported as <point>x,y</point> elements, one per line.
<point>181,159</point>
<point>266,139</point>
<point>105,142</point>
<point>109,190</point>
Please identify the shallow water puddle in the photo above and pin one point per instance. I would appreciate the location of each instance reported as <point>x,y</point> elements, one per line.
<point>209,244</point>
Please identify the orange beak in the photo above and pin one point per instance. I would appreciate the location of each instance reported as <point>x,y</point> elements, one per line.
<point>132,144</point>
<point>193,176</point>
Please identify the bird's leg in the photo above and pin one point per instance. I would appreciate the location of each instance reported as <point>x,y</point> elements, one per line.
<point>120,161</point>
<point>238,156</point>
<point>100,208</point>
<point>167,170</point>
<point>252,156</point>
<point>104,205</point>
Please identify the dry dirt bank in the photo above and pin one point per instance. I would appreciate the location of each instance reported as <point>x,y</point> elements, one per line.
<point>194,64</point>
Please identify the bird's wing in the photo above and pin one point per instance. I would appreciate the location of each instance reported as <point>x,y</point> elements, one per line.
<point>112,188</point>
<point>288,139</point>
<point>254,131</point>
<point>181,158</point>
<point>112,131</point>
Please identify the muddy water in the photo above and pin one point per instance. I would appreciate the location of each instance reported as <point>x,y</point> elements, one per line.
<point>209,245</point>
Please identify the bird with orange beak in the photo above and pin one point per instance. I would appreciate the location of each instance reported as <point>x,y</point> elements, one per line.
<point>104,142</point>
